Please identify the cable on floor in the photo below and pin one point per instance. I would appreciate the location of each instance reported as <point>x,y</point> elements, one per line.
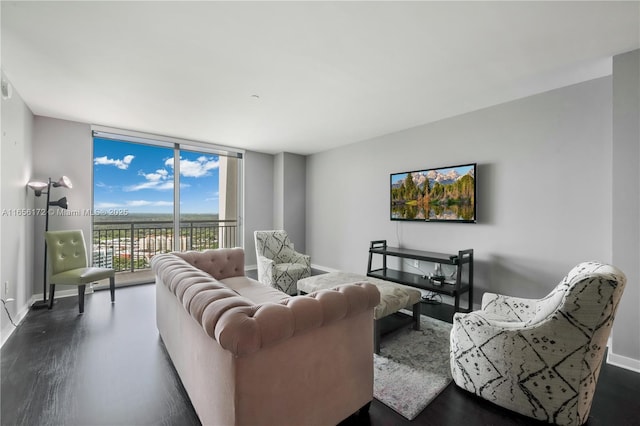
<point>8,314</point>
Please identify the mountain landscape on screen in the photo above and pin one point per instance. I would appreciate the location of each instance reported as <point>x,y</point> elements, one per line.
<point>444,194</point>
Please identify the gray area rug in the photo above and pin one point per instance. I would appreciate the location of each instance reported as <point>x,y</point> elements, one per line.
<point>413,367</point>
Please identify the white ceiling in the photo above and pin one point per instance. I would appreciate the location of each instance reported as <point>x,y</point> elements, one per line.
<point>326,73</point>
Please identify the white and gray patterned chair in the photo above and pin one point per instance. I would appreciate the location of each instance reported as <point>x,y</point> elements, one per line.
<point>279,265</point>
<point>540,358</point>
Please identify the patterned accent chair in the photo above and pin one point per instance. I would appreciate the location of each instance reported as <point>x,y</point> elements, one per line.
<point>279,265</point>
<point>540,358</point>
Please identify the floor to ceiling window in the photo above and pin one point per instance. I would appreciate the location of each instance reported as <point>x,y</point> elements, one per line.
<point>154,196</point>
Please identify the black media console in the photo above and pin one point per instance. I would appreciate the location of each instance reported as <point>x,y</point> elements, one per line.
<point>461,282</point>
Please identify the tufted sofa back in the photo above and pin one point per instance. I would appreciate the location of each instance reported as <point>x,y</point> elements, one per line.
<point>237,323</point>
<point>219,263</point>
<point>66,250</point>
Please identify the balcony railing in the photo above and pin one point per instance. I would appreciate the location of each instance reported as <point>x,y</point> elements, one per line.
<point>129,246</point>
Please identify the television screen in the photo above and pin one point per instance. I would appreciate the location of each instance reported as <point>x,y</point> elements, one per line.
<point>446,194</point>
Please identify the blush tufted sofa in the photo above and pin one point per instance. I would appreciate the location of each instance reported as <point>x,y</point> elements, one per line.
<point>248,354</point>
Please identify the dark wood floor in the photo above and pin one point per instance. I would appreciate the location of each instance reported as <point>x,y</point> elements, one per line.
<point>109,367</point>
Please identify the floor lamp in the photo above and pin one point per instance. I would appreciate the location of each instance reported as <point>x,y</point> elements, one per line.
<point>39,187</point>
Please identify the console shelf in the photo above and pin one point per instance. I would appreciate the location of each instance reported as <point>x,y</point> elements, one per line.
<point>451,287</point>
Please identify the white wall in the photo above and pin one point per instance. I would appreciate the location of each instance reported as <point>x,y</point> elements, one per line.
<point>16,244</point>
<point>626,204</point>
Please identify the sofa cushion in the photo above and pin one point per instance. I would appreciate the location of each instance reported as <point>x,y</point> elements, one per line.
<point>254,290</point>
<point>393,296</point>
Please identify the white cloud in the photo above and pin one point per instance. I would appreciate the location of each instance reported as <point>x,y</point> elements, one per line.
<point>160,180</point>
<point>166,185</point>
<point>121,164</point>
<point>159,175</point>
<point>198,168</point>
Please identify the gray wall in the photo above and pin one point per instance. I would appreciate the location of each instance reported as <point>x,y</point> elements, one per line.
<point>278,191</point>
<point>16,244</point>
<point>626,200</point>
<point>294,191</point>
<point>289,195</point>
<point>544,191</point>
<point>62,148</point>
<point>542,161</point>
<point>258,199</point>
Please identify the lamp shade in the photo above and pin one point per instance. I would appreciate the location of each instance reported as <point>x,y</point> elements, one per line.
<point>62,203</point>
<point>37,186</point>
<point>63,181</point>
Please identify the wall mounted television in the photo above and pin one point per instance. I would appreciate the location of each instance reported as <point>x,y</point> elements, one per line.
<point>444,194</point>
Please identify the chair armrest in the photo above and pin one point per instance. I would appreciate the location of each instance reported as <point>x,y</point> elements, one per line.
<point>266,268</point>
<point>489,323</point>
<point>289,255</point>
<point>301,258</point>
<point>509,308</point>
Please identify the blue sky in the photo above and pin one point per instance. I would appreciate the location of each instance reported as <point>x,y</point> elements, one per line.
<point>139,178</point>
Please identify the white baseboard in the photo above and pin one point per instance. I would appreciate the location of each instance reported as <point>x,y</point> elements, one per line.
<point>623,361</point>
<point>324,268</point>
<point>72,291</point>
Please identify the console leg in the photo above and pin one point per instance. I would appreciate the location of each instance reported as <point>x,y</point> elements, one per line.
<point>376,337</point>
<point>364,410</point>
<point>416,316</point>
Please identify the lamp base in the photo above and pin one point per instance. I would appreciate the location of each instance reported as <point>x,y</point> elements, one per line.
<point>40,304</point>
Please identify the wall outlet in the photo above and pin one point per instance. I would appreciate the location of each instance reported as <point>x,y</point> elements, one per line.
<point>6,288</point>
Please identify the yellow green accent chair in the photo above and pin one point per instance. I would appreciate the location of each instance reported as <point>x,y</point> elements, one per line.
<point>68,265</point>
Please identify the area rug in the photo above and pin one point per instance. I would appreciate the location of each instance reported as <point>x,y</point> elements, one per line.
<point>412,367</point>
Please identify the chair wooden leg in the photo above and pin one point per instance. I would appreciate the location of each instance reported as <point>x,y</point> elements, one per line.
<point>52,289</point>
<point>81,297</point>
<point>112,288</point>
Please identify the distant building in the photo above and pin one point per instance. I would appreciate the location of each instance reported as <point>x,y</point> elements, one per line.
<point>162,243</point>
<point>103,258</point>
